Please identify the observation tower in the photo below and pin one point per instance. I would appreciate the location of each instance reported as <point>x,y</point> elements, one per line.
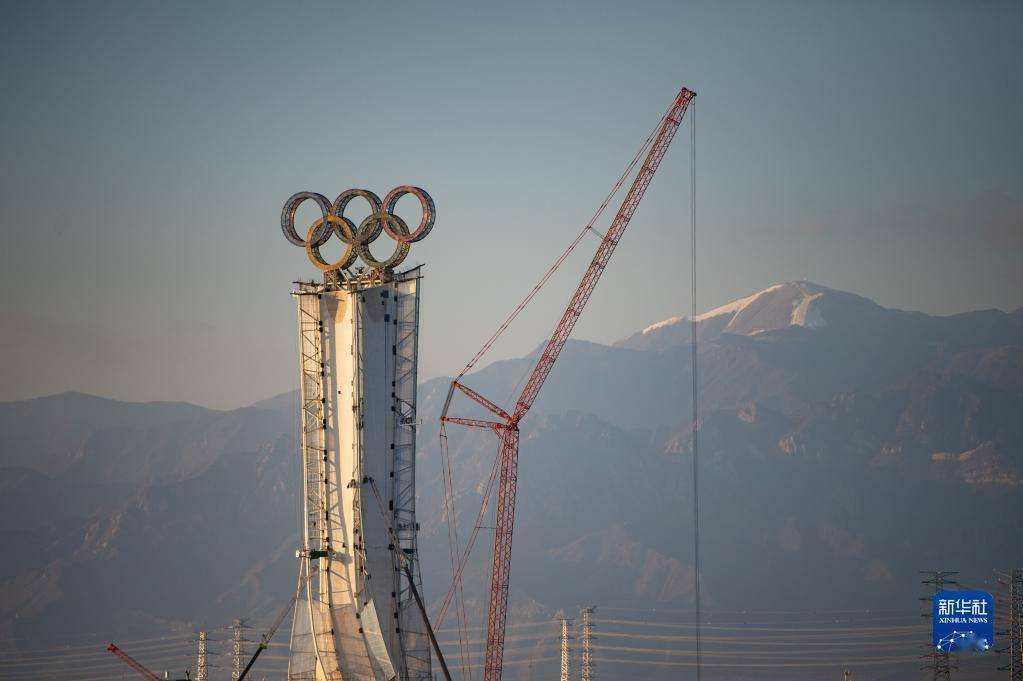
<point>358,613</point>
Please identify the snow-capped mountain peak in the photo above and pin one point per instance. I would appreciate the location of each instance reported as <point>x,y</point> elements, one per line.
<point>795,303</point>
<point>664,322</point>
<point>736,305</point>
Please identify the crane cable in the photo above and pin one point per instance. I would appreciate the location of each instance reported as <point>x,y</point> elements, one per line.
<point>588,227</point>
<point>694,426</point>
<point>453,551</point>
<point>456,586</point>
<point>487,494</point>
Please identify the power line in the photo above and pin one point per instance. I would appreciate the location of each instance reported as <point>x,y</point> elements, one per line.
<point>824,655</point>
<point>101,645</point>
<point>695,426</point>
<point>861,661</point>
<point>802,630</point>
<point>97,654</point>
<point>833,644</point>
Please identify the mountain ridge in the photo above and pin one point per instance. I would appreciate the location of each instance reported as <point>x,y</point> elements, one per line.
<point>795,303</point>
<point>825,450</point>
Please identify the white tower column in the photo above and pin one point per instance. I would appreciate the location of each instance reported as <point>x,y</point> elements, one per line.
<point>355,617</point>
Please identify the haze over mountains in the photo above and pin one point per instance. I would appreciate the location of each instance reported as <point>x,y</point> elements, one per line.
<point>843,446</point>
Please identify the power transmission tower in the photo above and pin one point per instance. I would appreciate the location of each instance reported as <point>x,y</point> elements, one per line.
<point>847,675</point>
<point>566,660</point>
<point>940,665</point>
<point>1011,622</point>
<point>587,637</point>
<point>200,664</point>
<point>238,649</point>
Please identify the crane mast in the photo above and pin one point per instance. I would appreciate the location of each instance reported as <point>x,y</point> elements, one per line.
<point>507,427</point>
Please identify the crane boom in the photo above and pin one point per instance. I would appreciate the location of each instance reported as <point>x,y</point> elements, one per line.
<point>133,663</point>
<point>508,426</point>
<point>563,330</point>
<point>264,642</point>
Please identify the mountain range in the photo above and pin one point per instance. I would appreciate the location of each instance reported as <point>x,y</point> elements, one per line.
<point>843,448</point>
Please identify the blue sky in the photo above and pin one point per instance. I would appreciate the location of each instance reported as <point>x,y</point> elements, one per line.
<point>148,147</point>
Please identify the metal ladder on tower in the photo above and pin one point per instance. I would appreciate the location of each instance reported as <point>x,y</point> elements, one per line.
<point>313,422</point>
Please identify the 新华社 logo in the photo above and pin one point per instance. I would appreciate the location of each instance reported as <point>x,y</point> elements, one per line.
<point>964,620</point>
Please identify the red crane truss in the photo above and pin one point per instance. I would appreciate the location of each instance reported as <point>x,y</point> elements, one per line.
<point>131,662</point>
<point>507,427</point>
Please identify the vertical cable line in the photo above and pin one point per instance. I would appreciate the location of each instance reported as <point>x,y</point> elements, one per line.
<point>692,345</point>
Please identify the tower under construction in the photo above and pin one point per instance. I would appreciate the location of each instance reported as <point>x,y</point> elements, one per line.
<point>357,614</point>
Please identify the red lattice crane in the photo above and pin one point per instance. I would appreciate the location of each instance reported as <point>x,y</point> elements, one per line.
<point>133,663</point>
<point>507,425</point>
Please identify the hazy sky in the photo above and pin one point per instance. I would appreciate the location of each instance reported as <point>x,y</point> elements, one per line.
<point>148,148</point>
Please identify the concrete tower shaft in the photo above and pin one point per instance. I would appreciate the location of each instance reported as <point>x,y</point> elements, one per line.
<point>358,348</point>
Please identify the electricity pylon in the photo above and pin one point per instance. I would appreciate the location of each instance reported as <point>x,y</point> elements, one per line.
<point>238,649</point>
<point>1011,622</point>
<point>587,666</point>
<point>566,651</point>
<point>201,673</point>
<point>940,665</point>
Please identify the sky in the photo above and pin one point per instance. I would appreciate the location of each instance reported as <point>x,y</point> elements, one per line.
<point>148,148</point>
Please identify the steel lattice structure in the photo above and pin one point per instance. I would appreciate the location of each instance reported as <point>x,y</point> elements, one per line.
<point>566,650</point>
<point>507,428</point>
<point>201,672</point>
<point>587,662</point>
<point>357,614</point>
<point>1012,623</point>
<point>940,664</point>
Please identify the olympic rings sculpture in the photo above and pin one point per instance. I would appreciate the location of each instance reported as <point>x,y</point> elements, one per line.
<point>358,239</point>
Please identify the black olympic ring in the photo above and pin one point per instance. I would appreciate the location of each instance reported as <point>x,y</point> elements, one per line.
<point>358,239</point>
